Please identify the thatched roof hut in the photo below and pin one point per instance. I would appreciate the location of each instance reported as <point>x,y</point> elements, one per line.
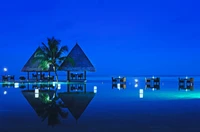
<point>36,103</point>
<point>81,61</point>
<point>76,102</point>
<point>34,66</point>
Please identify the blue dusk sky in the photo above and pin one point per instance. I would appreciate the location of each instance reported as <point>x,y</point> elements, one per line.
<point>132,37</point>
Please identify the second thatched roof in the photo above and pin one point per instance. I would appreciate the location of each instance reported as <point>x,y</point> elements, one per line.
<point>80,61</point>
<point>34,66</point>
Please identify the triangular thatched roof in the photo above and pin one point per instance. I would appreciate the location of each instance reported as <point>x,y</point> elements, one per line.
<point>34,67</point>
<point>81,61</point>
<point>36,103</point>
<point>76,102</point>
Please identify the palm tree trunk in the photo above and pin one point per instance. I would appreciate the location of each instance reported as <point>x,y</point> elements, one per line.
<point>56,81</point>
<point>55,73</point>
<point>56,76</point>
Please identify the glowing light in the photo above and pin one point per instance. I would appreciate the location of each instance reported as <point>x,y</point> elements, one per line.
<point>36,95</point>
<point>141,95</point>
<point>5,92</point>
<point>153,77</point>
<point>136,85</point>
<point>5,69</point>
<point>59,86</point>
<point>186,77</point>
<point>95,89</point>
<point>36,91</point>
<point>16,85</point>
<point>141,91</point>
<point>118,85</point>
<point>54,84</point>
<point>136,80</point>
<point>153,89</point>
<point>119,77</point>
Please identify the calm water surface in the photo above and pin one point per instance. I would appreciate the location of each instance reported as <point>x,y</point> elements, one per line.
<point>104,109</point>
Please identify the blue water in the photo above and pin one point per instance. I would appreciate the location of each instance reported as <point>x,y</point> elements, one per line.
<point>111,109</point>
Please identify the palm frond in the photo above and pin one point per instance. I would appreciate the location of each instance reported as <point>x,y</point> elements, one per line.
<point>36,59</point>
<point>45,48</point>
<point>62,50</point>
<point>61,59</point>
<point>44,116</point>
<point>44,65</point>
<point>53,44</point>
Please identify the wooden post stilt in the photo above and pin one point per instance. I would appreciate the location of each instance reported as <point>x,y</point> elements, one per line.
<point>68,76</point>
<point>28,76</point>
<point>85,75</point>
<point>36,76</point>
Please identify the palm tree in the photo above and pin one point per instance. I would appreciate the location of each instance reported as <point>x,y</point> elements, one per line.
<point>52,54</point>
<point>53,110</point>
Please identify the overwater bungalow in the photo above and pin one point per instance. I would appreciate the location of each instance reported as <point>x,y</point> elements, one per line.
<point>33,67</point>
<point>76,72</point>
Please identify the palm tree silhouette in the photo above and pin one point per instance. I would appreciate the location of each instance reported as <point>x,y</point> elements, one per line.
<point>47,106</point>
<point>53,109</point>
<point>52,54</point>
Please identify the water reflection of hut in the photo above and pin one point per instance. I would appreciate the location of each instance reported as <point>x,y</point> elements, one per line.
<point>8,85</point>
<point>77,87</point>
<point>46,106</point>
<point>119,86</point>
<point>76,71</point>
<point>33,66</point>
<point>36,103</point>
<point>76,102</point>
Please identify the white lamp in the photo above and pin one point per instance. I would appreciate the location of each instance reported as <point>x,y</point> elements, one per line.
<point>5,69</point>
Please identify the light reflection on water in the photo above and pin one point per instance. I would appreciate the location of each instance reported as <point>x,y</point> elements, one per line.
<point>105,108</point>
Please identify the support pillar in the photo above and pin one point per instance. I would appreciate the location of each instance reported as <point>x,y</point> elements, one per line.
<point>68,88</point>
<point>36,76</point>
<point>85,75</point>
<point>68,75</point>
<point>49,76</point>
<point>41,76</point>
<point>84,88</point>
<point>28,76</point>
